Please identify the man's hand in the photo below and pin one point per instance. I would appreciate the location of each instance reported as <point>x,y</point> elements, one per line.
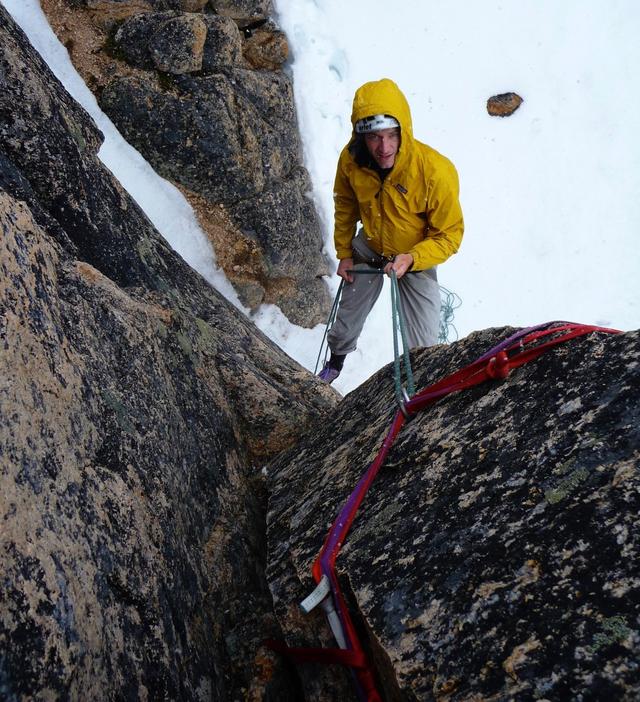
<point>400,264</point>
<point>345,265</point>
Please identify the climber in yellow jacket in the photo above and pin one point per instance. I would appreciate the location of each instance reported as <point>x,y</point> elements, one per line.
<point>405,194</point>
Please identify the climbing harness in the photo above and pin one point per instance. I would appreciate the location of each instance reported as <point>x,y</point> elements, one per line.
<point>496,364</point>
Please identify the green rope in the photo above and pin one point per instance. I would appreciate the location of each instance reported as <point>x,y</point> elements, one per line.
<point>327,329</point>
<point>450,303</point>
<point>399,325</point>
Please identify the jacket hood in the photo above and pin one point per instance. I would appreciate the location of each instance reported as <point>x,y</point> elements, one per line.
<point>382,97</point>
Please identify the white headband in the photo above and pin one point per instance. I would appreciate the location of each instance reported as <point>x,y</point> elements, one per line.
<point>375,122</point>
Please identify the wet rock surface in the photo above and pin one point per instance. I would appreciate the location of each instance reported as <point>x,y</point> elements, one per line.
<point>137,408</point>
<point>496,555</point>
<point>202,94</point>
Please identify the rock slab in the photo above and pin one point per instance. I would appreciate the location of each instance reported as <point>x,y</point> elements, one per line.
<point>496,556</point>
<point>137,408</point>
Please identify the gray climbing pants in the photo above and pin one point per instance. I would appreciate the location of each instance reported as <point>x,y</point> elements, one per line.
<point>419,303</point>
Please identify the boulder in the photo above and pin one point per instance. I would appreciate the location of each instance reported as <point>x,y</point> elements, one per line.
<point>153,40</point>
<point>244,9</point>
<point>178,44</point>
<point>495,557</point>
<point>504,104</point>
<point>137,408</point>
<point>131,40</point>
<point>265,47</point>
<point>223,46</point>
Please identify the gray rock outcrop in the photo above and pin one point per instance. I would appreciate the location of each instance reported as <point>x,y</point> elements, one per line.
<point>496,555</point>
<point>202,94</point>
<point>137,407</point>
<point>245,9</point>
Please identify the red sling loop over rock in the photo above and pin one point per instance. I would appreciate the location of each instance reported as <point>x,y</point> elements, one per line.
<point>493,365</point>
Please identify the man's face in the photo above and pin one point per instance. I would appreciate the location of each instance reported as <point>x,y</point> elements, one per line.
<point>383,145</point>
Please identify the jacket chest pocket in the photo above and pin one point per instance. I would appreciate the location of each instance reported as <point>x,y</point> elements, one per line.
<point>410,209</point>
<point>408,204</point>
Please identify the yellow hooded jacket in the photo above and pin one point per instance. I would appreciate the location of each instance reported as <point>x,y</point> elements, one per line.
<point>415,209</point>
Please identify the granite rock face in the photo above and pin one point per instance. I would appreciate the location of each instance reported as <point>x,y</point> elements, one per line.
<point>232,138</point>
<point>148,41</point>
<point>178,45</point>
<point>265,46</point>
<point>201,93</point>
<point>223,45</point>
<point>245,9</point>
<point>496,557</point>
<point>137,408</point>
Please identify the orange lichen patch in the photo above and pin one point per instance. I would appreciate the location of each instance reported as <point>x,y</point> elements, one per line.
<point>266,49</point>
<point>518,657</point>
<point>97,279</point>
